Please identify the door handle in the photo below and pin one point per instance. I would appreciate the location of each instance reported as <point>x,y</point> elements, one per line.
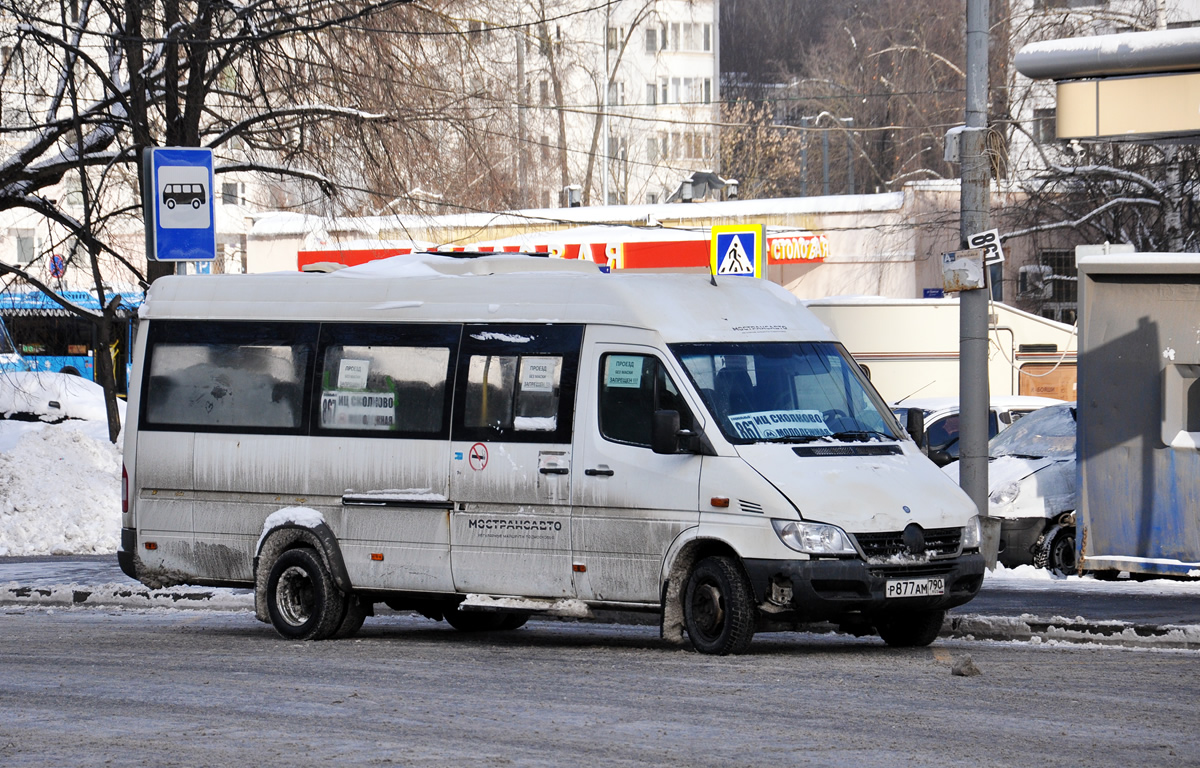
<point>554,470</point>
<point>601,472</point>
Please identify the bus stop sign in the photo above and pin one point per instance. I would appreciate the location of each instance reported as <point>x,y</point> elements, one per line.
<point>178,204</point>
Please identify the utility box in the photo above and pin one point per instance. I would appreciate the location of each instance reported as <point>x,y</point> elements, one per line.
<point>1139,414</point>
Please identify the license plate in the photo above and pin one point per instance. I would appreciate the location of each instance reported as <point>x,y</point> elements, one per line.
<point>916,587</point>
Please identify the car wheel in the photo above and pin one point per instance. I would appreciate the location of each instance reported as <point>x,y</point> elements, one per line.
<point>302,600</point>
<point>911,630</point>
<point>171,204</point>
<point>195,204</point>
<point>718,607</point>
<point>1055,550</point>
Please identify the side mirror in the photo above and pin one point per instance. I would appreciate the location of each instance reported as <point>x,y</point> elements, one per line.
<point>664,432</point>
<point>916,426</point>
<point>941,458</point>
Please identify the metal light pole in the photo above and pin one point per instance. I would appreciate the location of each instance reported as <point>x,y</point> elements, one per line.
<point>973,305</point>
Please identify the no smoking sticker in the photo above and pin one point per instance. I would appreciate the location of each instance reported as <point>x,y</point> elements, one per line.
<point>478,456</point>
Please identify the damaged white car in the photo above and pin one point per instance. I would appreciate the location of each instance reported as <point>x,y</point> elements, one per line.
<point>1032,489</point>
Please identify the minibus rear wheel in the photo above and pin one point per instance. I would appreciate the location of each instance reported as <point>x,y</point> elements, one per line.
<point>302,599</point>
<point>718,607</point>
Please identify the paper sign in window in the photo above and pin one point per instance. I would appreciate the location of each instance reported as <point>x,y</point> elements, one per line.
<point>624,371</point>
<point>352,374</point>
<point>537,374</point>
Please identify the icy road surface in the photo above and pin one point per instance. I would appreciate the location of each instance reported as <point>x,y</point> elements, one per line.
<point>183,688</point>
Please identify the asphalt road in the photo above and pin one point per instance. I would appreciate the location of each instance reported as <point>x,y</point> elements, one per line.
<point>85,687</point>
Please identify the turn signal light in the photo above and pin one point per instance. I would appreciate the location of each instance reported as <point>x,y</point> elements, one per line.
<point>151,545</point>
<point>377,557</point>
<point>579,568</point>
<point>719,501</point>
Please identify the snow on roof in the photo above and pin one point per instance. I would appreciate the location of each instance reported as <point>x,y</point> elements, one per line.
<point>1167,50</point>
<point>502,288</point>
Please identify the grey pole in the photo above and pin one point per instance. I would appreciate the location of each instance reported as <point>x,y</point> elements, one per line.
<point>825,162</point>
<point>973,305</point>
<point>849,121</point>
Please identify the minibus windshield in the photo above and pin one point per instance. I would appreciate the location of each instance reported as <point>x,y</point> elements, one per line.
<point>793,392</point>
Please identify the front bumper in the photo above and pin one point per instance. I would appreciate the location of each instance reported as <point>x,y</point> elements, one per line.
<point>1018,538</point>
<point>824,590</point>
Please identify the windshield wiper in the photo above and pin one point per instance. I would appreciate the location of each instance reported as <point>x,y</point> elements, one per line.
<point>861,435</point>
<point>1018,456</point>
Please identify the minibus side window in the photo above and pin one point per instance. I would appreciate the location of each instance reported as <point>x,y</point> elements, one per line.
<point>632,388</point>
<point>227,377</point>
<point>385,380</point>
<point>513,392</point>
<point>516,383</point>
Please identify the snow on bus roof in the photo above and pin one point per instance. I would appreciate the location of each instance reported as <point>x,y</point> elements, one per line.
<point>503,288</point>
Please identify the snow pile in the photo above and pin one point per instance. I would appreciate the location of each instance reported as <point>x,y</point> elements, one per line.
<point>60,491</point>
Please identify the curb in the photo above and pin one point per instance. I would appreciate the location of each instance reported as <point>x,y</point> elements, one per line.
<point>120,596</point>
<point>1078,630</point>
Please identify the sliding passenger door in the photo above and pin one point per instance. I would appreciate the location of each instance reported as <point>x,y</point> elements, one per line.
<point>510,460</point>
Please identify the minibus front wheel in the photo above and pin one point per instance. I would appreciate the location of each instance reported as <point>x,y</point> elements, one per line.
<point>718,607</point>
<point>302,599</point>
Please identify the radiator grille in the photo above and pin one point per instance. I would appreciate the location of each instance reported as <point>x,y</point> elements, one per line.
<point>939,542</point>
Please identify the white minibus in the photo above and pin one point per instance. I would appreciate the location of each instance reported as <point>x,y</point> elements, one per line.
<point>484,439</point>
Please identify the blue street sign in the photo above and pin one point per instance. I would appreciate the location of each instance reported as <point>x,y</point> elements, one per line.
<point>738,250</point>
<point>179,210</point>
<point>58,266</point>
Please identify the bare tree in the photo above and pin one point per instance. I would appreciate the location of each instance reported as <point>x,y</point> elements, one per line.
<point>268,86</point>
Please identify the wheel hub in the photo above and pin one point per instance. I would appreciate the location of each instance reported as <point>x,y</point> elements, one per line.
<point>294,596</point>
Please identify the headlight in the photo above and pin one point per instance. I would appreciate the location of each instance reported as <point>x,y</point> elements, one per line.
<point>1006,494</point>
<point>972,534</point>
<point>813,538</point>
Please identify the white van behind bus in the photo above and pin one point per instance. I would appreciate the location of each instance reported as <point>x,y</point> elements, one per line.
<point>483,439</point>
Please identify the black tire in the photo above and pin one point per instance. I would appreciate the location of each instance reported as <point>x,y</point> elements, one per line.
<point>302,599</point>
<point>718,607</point>
<point>356,614</point>
<point>513,621</point>
<point>195,204</point>
<point>170,203</point>
<point>1055,550</point>
<point>474,621</point>
<point>911,630</point>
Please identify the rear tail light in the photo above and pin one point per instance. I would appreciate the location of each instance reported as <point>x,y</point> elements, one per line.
<point>124,491</point>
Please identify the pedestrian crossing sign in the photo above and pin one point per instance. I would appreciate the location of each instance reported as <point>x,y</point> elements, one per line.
<point>738,250</point>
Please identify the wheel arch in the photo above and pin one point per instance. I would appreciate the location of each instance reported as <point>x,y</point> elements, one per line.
<point>282,535</point>
<point>686,552</point>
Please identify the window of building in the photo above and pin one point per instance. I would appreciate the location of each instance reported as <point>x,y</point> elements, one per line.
<point>652,149</point>
<point>675,34</point>
<point>708,37</point>
<point>544,92</point>
<point>651,94</point>
<point>708,90</point>
<point>651,40</point>
<point>230,194</point>
<point>25,245</point>
<point>663,92</point>
<point>1045,125</point>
